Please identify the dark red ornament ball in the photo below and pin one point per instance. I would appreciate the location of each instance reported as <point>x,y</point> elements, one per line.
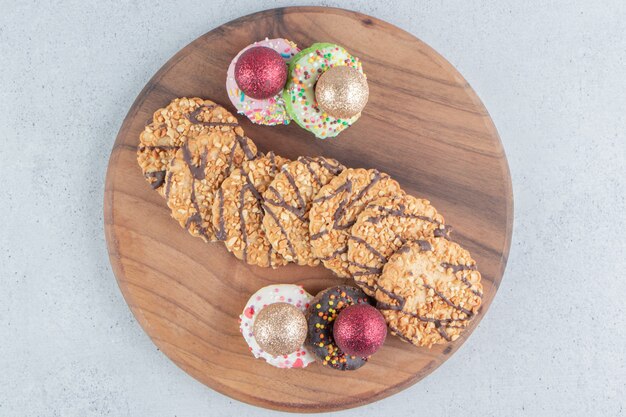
<point>260,72</point>
<point>360,330</point>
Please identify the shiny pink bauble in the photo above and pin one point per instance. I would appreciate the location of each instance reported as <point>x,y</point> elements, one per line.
<point>260,72</point>
<point>360,330</point>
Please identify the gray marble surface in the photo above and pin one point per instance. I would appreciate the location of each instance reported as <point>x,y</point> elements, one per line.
<point>553,76</point>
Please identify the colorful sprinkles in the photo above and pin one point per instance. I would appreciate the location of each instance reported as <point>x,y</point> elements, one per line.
<point>322,313</point>
<point>299,94</point>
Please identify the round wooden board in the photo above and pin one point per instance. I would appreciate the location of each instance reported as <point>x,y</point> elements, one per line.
<point>423,125</point>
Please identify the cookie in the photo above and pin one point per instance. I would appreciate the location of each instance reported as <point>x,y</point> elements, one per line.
<point>385,225</point>
<point>283,293</point>
<point>238,214</point>
<point>299,93</point>
<point>287,202</point>
<point>196,173</point>
<point>322,312</point>
<point>428,291</point>
<point>170,127</point>
<point>335,209</point>
<point>269,111</point>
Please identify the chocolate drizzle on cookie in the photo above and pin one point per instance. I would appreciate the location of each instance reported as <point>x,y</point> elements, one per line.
<point>273,215</point>
<point>220,232</point>
<point>440,324</point>
<point>158,148</point>
<point>170,127</point>
<point>159,178</point>
<point>345,187</point>
<point>449,302</point>
<point>339,208</point>
<point>244,144</point>
<point>401,212</point>
<point>339,215</point>
<point>249,186</point>
<point>197,167</point>
<point>333,169</point>
<point>168,184</point>
<point>197,171</point>
<point>242,219</point>
<point>336,253</point>
<point>196,218</point>
<point>300,209</point>
<point>281,203</point>
<point>193,117</point>
<point>456,320</point>
<point>247,197</point>
<point>463,278</point>
<point>398,211</point>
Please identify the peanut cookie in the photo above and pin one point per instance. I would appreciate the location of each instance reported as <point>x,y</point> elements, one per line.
<point>169,129</point>
<point>238,212</point>
<point>335,209</point>
<point>383,226</point>
<point>287,202</point>
<point>429,291</point>
<point>196,173</point>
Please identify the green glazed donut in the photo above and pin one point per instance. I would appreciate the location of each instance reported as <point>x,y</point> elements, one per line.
<point>304,70</point>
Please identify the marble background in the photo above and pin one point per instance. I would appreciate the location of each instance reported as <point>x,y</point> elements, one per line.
<point>552,75</point>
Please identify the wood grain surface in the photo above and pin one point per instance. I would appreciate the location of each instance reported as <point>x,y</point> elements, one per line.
<point>423,125</point>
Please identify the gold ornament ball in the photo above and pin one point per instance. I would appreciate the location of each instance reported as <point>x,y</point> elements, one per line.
<point>342,92</point>
<point>280,329</point>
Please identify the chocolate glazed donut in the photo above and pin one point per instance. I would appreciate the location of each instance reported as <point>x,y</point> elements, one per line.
<point>321,315</point>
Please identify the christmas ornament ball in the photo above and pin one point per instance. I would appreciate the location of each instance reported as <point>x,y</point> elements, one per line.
<point>260,72</point>
<point>360,330</point>
<point>280,329</point>
<point>342,92</point>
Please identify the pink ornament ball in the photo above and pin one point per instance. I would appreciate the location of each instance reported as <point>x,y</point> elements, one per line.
<point>260,72</point>
<point>360,330</point>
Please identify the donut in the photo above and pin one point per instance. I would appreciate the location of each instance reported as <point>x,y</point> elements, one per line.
<point>283,293</point>
<point>299,93</point>
<point>321,314</point>
<point>269,111</point>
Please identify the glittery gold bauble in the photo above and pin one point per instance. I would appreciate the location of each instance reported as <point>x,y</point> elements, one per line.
<point>342,92</point>
<point>280,329</point>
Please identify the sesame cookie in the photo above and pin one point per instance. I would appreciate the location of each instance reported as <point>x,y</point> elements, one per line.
<point>383,226</point>
<point>169,129</point>
<point>238,214</point>
<point>322,312</point>
<point>287,202</point>
<point>335,209</point>
<point>429,291</point>
<point>196,173</point>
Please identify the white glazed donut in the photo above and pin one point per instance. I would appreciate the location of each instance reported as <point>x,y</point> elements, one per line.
<point>283,293</point>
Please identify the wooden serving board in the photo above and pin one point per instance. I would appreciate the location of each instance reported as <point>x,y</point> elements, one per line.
<point>423,125</point>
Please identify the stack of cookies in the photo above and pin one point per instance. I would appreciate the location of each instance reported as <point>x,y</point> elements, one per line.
<point>270,211</point>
